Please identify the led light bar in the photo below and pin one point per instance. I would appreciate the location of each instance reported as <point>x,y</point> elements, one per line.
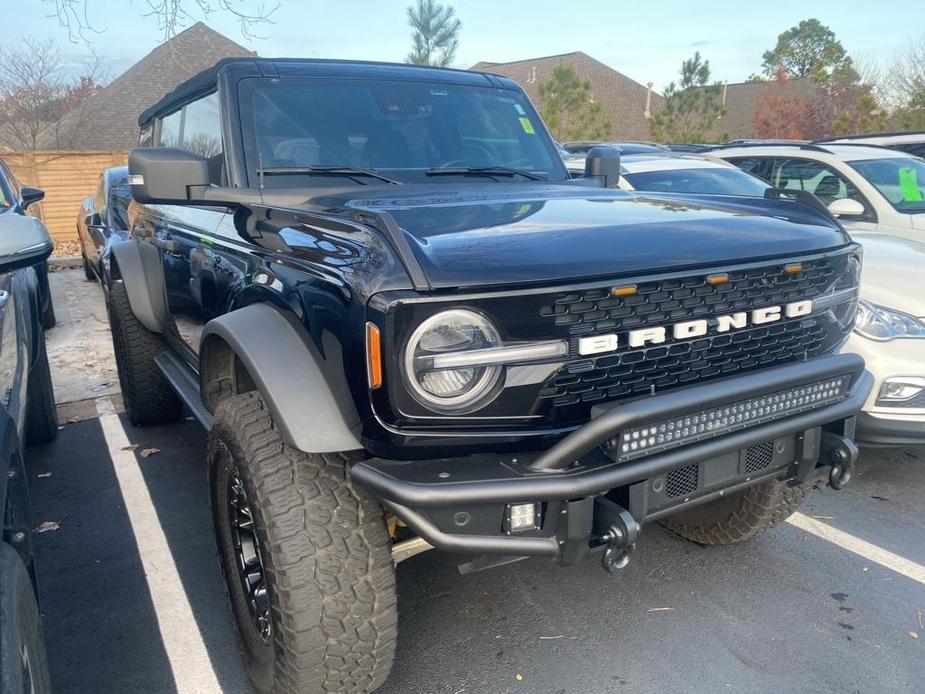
<point>689,428</point>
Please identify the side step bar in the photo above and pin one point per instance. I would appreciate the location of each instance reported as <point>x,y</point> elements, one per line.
<point>184,382</point>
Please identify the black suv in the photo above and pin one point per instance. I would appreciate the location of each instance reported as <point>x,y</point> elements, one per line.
<point>404,327</point>
<point>15,199</point>
<point>27,416</point>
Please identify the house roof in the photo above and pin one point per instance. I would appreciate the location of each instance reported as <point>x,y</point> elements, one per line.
<point>623,100</point>
<point>741,102</point>
<point>110,119</point>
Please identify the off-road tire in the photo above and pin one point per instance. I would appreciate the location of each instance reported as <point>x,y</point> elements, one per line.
<point>23,660</point>
<point>326,557</point>
<point>740,516</point>
<point>147,395</point>
<point>41,415</point>
<point>88,271</point>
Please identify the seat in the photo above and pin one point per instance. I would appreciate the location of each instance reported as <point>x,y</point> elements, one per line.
<point>828,189</point>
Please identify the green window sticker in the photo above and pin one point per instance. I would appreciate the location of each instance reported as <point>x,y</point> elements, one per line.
<point>909,184</point>
<point>528,126</point>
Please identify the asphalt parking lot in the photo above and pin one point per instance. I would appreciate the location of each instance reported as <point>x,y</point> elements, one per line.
<point>833,601</point>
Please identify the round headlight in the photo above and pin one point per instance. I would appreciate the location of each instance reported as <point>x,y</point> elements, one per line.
<point>455,390</point>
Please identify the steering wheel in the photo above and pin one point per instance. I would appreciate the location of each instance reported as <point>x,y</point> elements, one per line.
<point>484,157</point>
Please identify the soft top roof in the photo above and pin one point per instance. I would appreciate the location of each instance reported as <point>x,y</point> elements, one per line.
<point>207,80</point>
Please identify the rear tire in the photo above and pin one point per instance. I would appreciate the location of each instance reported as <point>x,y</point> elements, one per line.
<point>327,617</point>
<point>23,660</point>
<point>740,516</point>
<point>41,415</point>
<point>88,271</point>
<point>147,395</point>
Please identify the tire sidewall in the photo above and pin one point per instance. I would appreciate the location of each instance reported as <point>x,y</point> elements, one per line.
<point>224,456</point>
<point>19,624</point>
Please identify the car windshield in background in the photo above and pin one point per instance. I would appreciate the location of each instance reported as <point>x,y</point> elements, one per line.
<point>403,130</point>
<point>718,181</point>
<point>900,180</point>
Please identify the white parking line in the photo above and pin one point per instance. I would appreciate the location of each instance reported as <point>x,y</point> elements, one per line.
<point>894,562</point>
<point>189,659</point>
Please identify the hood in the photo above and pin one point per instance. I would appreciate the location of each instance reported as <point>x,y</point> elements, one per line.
<point>891,274</point>
<point>487,235</point>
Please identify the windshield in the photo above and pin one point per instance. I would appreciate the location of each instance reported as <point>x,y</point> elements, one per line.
<point>716,181</point>
<point>400,129</point>
<point>900,180</point>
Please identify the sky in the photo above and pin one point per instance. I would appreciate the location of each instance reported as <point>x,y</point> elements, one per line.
<point>646,41</point>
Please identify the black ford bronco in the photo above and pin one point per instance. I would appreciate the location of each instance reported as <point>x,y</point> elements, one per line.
<point>404,327</point>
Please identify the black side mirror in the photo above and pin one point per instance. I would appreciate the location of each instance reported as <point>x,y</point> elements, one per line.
<point>93,220</point>
<point>31,195</point>
<point>24,241</point>
<point>603,162</point>
<point>167,175</point>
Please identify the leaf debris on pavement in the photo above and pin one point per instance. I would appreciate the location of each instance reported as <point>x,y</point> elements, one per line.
<point>47,526</point>
<point>147,452</point>
<point>130,447</point>
<point>660,609</point>
<point>44,474</point>
<point>551,638</point>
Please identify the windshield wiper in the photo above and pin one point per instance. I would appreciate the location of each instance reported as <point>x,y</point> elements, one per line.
<point>325,171</point>
<point>482,171</point>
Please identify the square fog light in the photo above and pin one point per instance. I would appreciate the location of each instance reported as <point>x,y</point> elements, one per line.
<point>520,517</point>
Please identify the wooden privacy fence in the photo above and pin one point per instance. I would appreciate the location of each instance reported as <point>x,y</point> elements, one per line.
<point>67,177</point>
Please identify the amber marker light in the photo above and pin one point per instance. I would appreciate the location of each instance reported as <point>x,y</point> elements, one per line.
<point>721,278</point>
<point>628,290</point>
<point>793,268</point>
<point>373,356</point>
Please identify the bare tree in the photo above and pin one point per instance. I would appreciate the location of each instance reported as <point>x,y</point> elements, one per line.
<point>76,16</point>
<point>37,98</point>
<point>905,78</point>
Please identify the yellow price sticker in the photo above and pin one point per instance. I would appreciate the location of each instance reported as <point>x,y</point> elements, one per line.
<point>527,125</point>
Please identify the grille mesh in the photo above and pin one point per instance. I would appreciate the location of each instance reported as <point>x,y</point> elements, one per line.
<point>758,456</point>
<point>634,372</point>
<point>686,298</point>
<point>682,481</point>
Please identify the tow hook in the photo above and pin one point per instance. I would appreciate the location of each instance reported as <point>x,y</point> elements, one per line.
<point>843,454</point>
<point>620,539</point>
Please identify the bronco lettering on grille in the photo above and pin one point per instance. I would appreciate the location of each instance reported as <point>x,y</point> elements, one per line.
<point>687,330</point>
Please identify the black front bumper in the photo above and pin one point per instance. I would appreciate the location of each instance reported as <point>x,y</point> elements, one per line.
<point>459,504</point>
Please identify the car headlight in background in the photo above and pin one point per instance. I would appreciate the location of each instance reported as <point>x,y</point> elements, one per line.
<point>879,323</point>
<point>902,391</point>
<point>455,360</point>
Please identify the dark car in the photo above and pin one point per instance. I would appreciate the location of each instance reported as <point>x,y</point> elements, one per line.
<point>405,327</point>
<point>27,416</point>
<point>103,220</point>
<point>16,199</point>
<point>583,147</point>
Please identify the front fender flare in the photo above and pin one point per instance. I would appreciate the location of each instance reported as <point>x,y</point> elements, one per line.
<point>139,266</point>
<point>306,390</point>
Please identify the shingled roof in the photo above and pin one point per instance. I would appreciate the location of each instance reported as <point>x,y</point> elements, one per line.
<point>110,120</point>
<point>623,100</point>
